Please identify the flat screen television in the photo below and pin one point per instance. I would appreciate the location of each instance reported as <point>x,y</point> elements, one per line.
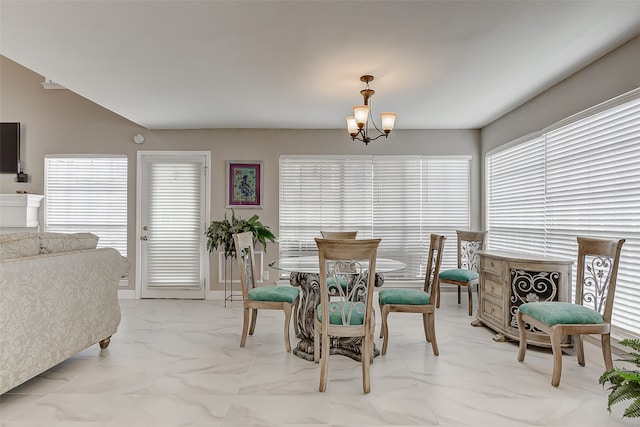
<point>9,147</point>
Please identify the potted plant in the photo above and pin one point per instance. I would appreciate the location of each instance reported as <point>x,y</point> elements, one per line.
<point>220,233</point>
<point>625,383</point>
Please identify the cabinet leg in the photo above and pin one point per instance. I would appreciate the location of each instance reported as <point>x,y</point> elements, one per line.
<point>499,338</point>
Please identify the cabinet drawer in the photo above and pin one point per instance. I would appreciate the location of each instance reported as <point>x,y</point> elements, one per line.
<point>492,287</point>
<point>492,311</point>
<point>492,265</point>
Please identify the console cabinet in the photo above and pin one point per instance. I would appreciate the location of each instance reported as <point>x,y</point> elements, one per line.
<point>508,279</point>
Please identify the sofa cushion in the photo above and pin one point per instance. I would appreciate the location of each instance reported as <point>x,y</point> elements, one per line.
<point>61,242</point>
<point>18,245</point>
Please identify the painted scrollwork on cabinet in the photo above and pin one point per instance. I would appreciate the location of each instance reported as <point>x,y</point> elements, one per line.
<point>531,286</point>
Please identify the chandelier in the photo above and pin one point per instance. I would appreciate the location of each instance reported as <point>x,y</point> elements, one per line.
<point>358,124</point>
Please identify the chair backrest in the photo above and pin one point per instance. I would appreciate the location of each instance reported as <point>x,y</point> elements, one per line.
<point>347,275</point>
<point>597,274</point>
<point>434,259</point>
<point>469,243</point>
<point>246,261</point>
<point>338,234</point>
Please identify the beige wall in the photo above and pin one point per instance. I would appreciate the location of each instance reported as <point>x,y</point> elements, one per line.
<point>59,121</point>
<point>616,73</point>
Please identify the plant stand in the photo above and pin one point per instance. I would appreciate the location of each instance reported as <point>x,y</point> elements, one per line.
<point>228,284</point>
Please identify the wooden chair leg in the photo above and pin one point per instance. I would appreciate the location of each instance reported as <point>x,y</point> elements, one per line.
<point>425,326</point>
<point>373,332</point>
<point>254,316</point>
<point>296,328</point>
<point>432,333</point>
<point>382,325</point>
<point>245,327</point>
<point>366,380</point>
<point>316,342</point>
<point>324,361</point>
<point>459,293</point>
<point>470,292</point>
<point>522,348</point>
<point>605,340</point>
<point>385,328</point>
<point>556,340</point>
<point>438,295</point>
<point>577,340</point>
<point>287,321</point>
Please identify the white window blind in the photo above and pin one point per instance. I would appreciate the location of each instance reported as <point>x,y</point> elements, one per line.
<point>400,199</point>
<point>592,188</point>
<point>446,203</point>
<point>515,198</point>
<point>322,193</point>
<point>88,194</point>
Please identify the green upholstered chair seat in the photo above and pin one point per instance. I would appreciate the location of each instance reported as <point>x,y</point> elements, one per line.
<point>331,281</point>
<point>458,275</point>
<point>554,313</point>
<point>352,312</point>
<point>404,297</point>
<point>274,294</point>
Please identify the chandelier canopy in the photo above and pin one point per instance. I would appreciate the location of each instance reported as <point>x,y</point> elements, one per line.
<point>358,124</point>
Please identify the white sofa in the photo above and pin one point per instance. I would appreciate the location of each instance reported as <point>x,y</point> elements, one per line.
<point>58,296</point>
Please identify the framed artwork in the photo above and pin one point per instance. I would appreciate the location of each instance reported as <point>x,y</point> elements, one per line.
<point>244,184</point>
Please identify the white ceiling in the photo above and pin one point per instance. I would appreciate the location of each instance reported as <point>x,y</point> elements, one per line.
<point>296,64</point>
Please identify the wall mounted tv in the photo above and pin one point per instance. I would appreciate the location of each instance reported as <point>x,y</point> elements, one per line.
<point>9,147</point>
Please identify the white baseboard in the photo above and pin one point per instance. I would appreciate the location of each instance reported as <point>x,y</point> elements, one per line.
<point>127,294</point>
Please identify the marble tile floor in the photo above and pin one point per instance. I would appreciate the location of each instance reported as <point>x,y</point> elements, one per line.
<point>178,363</point>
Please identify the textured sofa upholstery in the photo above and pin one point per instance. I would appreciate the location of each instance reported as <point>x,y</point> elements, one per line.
<point>58,296</point>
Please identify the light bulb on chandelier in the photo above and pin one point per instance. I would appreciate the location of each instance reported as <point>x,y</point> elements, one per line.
<point>357,125</point>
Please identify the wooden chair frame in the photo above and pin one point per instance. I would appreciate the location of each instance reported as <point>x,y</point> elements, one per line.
<point>350,250</point>
<point>607,251</point>
<point>466,260</point>
<point>338,234</point>
<point>246,264</point>
<point>434,259</point>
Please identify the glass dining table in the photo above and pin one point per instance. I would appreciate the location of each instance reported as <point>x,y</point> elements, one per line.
<point>303,273</point>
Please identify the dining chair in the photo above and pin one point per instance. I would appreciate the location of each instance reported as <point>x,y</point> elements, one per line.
<point>338,234</point>
<point>415,300</point>
<point>596,277</point>
<point>350,312</point>
<point>466,275</point>
<point>255,297</point>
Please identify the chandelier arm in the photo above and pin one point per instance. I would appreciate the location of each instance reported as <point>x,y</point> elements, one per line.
<point>373,121</point>
<point>379,136</point>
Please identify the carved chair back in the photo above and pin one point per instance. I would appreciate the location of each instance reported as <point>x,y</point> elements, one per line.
<point>469,243</point>
<point>597,274</point>
<point>347,277</point>
<point>246,261</point>
<point>434,259</point>
<point>338,234</point>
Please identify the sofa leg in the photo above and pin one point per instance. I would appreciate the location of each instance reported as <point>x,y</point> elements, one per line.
<point>105,343</point>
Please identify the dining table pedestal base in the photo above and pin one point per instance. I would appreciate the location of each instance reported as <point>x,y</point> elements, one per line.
<point>309,300</point>
<point>349,347</point>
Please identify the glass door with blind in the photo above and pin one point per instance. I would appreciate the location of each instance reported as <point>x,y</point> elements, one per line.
<point>172,201</point>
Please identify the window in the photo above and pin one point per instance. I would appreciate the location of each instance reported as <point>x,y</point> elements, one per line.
<point>401,199</point>
<point>87,194</point>
<point>581,177</point>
